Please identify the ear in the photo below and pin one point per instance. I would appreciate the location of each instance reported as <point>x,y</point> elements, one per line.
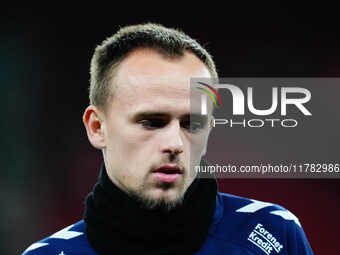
<point>93,120</point>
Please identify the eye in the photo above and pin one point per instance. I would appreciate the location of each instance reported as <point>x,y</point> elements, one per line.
<point>152,123</point>
<point>193,125</point>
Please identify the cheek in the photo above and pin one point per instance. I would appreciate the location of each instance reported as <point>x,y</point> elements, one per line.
<point>131,146</point>
<point>198,142</point>
<point>136,141</point>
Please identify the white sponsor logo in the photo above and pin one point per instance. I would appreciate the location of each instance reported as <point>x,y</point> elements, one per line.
<point>263,239</point>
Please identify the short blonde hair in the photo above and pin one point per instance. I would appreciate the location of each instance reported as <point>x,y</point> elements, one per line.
<point>108,55</point>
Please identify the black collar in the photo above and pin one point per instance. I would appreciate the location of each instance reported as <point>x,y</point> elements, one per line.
<point>118,224</point>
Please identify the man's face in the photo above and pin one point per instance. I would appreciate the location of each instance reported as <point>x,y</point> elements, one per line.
<point>148,140</point>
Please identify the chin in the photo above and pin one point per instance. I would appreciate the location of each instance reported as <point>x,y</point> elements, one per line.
<point>165,203</point>
<point>164,199</point>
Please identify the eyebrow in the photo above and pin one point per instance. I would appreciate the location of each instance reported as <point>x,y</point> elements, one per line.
<point>156,114</point>
<point>150,114</point>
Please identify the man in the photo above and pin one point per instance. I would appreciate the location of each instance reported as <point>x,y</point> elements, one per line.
<point>148,199</point>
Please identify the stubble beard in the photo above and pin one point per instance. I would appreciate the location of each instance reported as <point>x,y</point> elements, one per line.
<point>146,200</point>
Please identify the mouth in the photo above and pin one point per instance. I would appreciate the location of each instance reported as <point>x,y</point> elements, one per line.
<point>167,173</point>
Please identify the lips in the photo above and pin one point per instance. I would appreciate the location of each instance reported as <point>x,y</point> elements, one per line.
<point>168,173</point>
<point>169,170</point>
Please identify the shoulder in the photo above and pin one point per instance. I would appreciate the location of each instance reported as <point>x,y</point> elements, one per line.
<point>68,241</point>
<point>261,226</point>
<point>251,208</point>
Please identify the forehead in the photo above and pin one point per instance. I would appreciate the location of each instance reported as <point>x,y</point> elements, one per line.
<point>146,79</point>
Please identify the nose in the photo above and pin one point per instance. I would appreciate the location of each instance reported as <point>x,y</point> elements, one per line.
<point>172,141</point>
